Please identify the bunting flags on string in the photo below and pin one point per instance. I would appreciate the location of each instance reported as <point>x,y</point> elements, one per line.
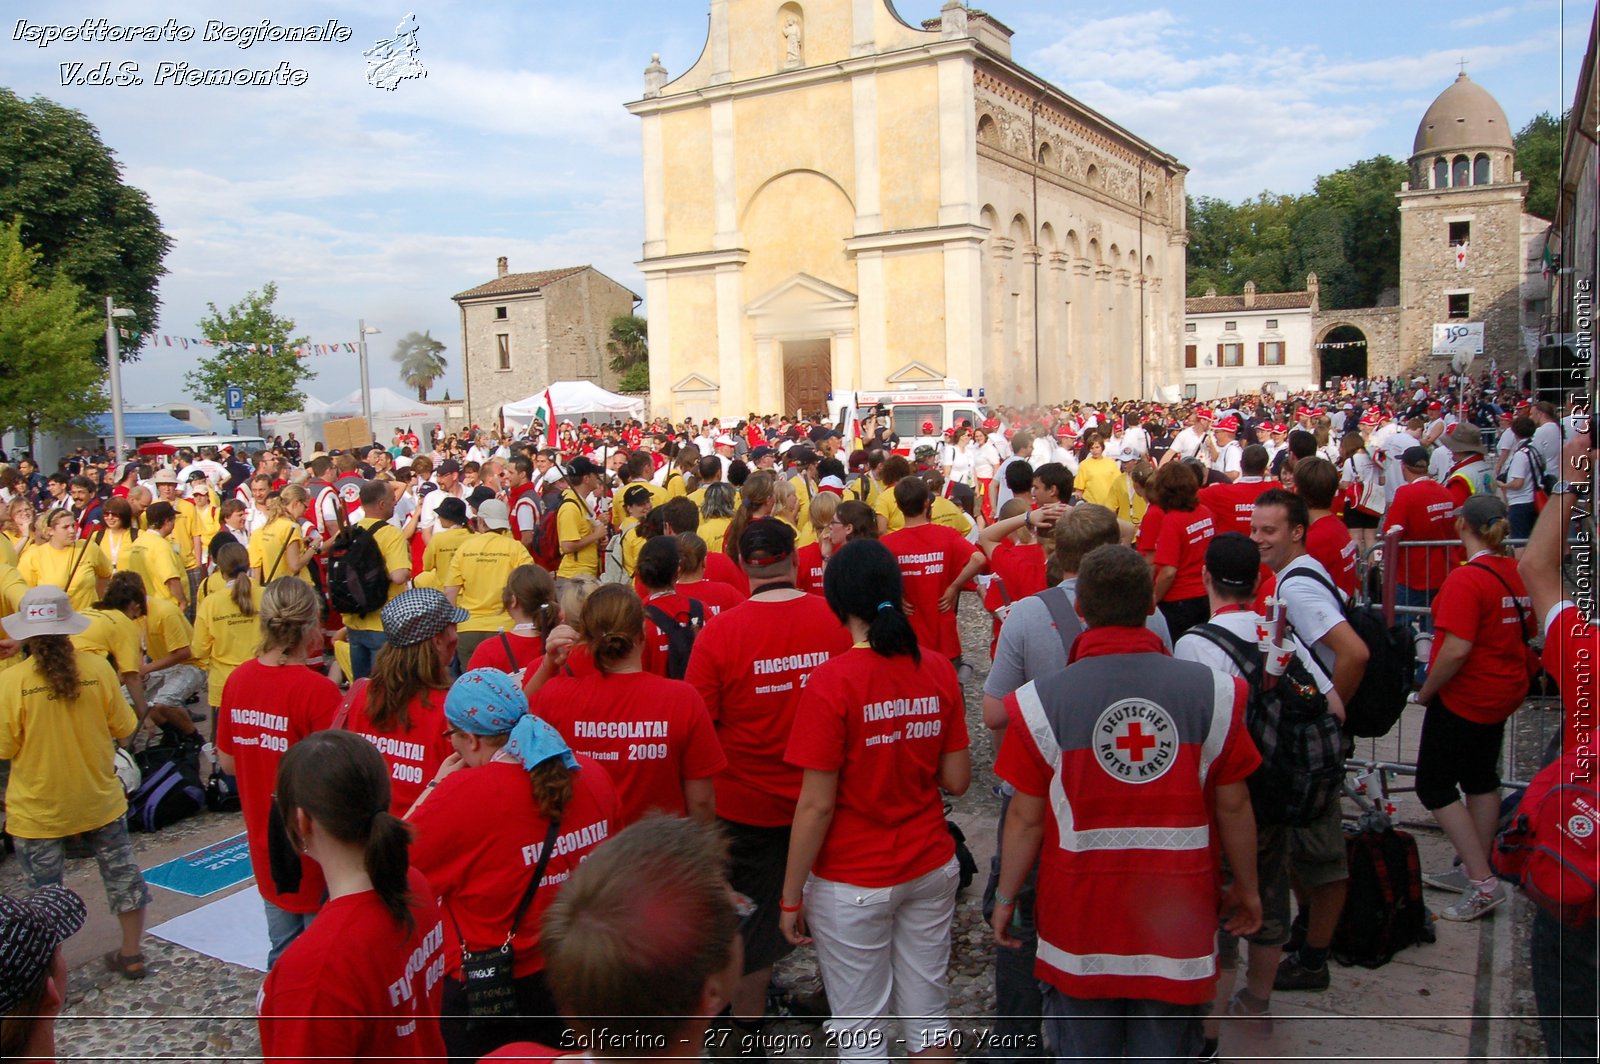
<point>184,343</point>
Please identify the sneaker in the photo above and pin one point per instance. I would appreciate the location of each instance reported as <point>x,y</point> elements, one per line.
<point>1475,904</point>
<point>1209,1052</point>
<point>1292,975</point>
<point>1253,1021</point>
<point>1456,880</point>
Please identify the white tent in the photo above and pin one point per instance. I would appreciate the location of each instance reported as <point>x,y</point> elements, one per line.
<point>305,423</point>
<point>574,401</point>
<point>390,411</point>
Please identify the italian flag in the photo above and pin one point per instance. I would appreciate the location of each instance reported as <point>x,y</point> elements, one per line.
<point>546,412</point>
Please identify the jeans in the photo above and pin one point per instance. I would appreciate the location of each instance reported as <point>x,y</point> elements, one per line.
<point>1421,597</point>
<point>1564,986</point>
<point>1117,1028</point>
<point>1018,1002</point>
<point>364,646</point>
<point>283,927</point>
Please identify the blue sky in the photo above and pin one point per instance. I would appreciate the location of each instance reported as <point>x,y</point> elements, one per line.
<point>366,203</point>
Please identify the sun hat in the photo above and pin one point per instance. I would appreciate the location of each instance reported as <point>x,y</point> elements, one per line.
<point>31,929</point>
<point>164,476</point>
<point>1463,438</point>
<point>419,614</point>
<point>494,514</point>
<point>44,610</point>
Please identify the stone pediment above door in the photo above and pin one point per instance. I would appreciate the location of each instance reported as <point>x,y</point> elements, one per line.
<point>916,374</point>
<point>694,382</point>
<point>802,292</point>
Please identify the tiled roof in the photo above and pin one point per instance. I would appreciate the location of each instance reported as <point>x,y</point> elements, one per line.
<point>519,282</point>
<point>1264,301</point>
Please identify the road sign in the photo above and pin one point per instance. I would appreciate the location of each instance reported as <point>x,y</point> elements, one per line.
<point>235,403</point>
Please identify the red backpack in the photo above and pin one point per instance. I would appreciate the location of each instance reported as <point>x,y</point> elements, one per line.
<point>546,547</point>
<point>1551,848</point>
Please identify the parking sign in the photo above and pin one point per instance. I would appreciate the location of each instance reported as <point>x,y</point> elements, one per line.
<point>235,403</point>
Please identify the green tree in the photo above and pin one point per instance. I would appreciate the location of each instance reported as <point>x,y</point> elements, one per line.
<point>1364,193</point>
<point>1539,145</point>
<point>635,379</point>
<point>421,361</point>
<point>50,381</point>
<point>629,343</point>
<point>67,189</point>
<point>243,336</point>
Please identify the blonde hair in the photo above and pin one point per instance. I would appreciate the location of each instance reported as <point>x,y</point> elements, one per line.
<point>233,562</point>
<point>824,504</point>
<point>290,612</point>
<point>278,505</point>
<point>573,595</point>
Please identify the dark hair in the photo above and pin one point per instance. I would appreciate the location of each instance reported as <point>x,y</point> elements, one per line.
<point>233,562</point>
<point>859,518</point>
<point>339,780</point>
<point>373,491</point>
<point>159,513</point>
<point>1086,528</point>
<point>1253,460</point>
<point>738,472</point>
<point>1316,481</point>
<point>1019,477</point>
<point>1523,426</point>
<point>118,507</point>
<point>680,513</point>
<point>611,623</point>
<point>895,468</point>
<point>1294,506</point>
<point>1115,587</point>
<point>709,470</point>
<point>519,462</point>
<point>911,495</point>
<point>1174,488</point>
<point>758,491</point>
<point>691,553</point>
<point>658,563</point>
<point>862,580</point>
<point>124,589</point>
<point>1057,476</point>
<point>57,661</point>
<point>1302,444</point>
<point>533,590</point>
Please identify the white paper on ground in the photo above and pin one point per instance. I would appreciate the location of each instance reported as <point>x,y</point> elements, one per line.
<point>233,929</point>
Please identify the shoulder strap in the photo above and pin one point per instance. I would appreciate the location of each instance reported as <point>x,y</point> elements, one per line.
<point>538,874</point>
<point>664,620</point>
<point>1319,578</point>
<point>1063,618</point>
<point>1522,616</point>
<point>343,715</point>
<point>511,659</point>
<point>1248,664</point>
<point>281,552</point>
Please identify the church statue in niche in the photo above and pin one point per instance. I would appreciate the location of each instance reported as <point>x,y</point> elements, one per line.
<point>793,41</point>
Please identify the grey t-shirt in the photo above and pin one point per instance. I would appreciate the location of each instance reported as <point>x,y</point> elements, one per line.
<point>1030,647</point>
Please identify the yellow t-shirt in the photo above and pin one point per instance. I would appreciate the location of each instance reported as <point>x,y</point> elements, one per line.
<point>269,550</point>
<point>714,531</point>
<point>481,568</point>
<point>166,629</point>
<point>208,522</point>
<point>862,489</point>
<point>63,767</point>
<point>675,486</point>
<point>184,531</point>
<point>156,561</point>
<point>803,534</point>
<point>113,634</point>
<point>225,638</point>
<point>437,555</point>
<point>117,546</point>
<point>889,510</point>
<point>949,515</point>
<point>82,561</point>
<point>802,490</point>
<point>213,583</point>
<point>1097,481</point>
<point>632,544</point>
<point>12,588</point>
<point>620,512</point>
<point>8,551</point>
<point>396,555</point>
<point>574,523</point>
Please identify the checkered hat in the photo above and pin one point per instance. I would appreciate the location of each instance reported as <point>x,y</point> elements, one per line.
<point>30,930</point>
<point>418,615</point>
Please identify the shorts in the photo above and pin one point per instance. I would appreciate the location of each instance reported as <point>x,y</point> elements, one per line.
<point>44,862</point>
<point>1456,752</point>
<point>1272,874</point>
<point>757,859</point>
<point>174,685</point>
<point>1317,851</point>
<point>1359,519</point>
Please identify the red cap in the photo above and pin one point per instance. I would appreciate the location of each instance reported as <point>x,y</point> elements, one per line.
<point>1280,428</point>
<point>990,424</point>
<point>927,428</point>
<point>1204,414</point>
<point>1228,424</point>
<point>1435,405</point>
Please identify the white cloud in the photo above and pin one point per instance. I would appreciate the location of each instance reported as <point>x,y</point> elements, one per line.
<point>1499,14</point>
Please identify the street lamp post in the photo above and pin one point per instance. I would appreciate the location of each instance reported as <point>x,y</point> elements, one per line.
<point>366,330</point>
<point>114,368</point>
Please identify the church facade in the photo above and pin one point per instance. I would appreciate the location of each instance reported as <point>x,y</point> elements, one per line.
<point>836,199</point>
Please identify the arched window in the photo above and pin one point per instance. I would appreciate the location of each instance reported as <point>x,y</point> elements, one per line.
<point>1441,173</point>
<point>1046,157</point>
<point>988,132</point>
<point>1460,172</point>
<point>1480,170</point>
<point>1091,176</point>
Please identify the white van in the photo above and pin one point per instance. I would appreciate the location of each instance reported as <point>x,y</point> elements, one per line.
<point>912,412</point>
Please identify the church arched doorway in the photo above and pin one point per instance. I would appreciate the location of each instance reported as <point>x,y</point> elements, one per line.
<point>1342,352</point>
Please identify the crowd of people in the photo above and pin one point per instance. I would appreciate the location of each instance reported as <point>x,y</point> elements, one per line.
<point>603,721</point>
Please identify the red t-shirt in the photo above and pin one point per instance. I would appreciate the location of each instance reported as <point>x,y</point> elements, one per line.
<point>1571,648</point>
<point>1019,570</point>
<point>1422,510</point>
<point>1182,545</point>
<point>882,724</point>
<point>808,568</point>
<point>1232,504</point>
<point>414,754</point>
<point>931,557</point>
<point>751,666</point>
<point>649,732</point>
<point>579,662</point>
<point>656,646</point>
<point>1329,542</point>
<point>354,986</point>
<point>529,1053</point>
<point>715,597</point>
<point>1150,529</point>
<point>266,709</point>
<point>1474,606</point>
<point>723,570</point>
<point>491,653</point>
<point>479,836</point>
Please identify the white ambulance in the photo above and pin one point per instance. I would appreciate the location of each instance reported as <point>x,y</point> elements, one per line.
<point>918,416</point>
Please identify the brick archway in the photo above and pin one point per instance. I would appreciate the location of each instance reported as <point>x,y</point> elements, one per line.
<point>1341,351</point>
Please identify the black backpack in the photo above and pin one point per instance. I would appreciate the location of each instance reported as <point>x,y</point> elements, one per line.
<point>1383,911</point>
<point>1302,749</point>
<point>680,632</point>
<point>169,794</point>
<point>358,577</point>
<point>1391,665</point>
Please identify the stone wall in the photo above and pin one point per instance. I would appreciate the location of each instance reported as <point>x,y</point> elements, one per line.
<point>488,386</point>
<point>1381,327</point>
<point>578,315</point>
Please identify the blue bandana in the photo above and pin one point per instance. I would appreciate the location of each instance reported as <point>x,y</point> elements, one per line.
<point>485,702</point>
<point>534,741</point>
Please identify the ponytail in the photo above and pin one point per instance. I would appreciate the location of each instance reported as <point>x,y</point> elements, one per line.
<point>862,580</point>
<point>233,562</point>
<point>756,492</point>
<point>388,864</point>
<point>612,623</point>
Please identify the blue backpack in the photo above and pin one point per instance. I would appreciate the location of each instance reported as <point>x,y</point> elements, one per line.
<point>169,794</point>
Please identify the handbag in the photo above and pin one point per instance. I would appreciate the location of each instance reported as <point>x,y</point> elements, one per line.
<point>491,989</point>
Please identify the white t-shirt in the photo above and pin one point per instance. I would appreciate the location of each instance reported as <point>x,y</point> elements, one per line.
<point>1228,462</point>
<point>1002,494</point>
<point>1519,467</point>
<point>1311,608</point>
<point>1136,439</point>
<point>428,519</point>
<point>1242,623</point>
<point>525,515</point>
<point>1393,450</point>
<point>1440,461</point>
<point>1547,441</point>
<point>1191,444</point>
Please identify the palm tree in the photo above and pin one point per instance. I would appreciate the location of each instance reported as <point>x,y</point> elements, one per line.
<point>629,343</point>
<point>421,361</point>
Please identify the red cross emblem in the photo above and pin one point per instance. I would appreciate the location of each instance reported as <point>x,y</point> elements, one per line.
<point>1135,742</point>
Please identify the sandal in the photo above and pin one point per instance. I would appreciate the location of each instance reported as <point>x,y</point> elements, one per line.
<point>127,967</point>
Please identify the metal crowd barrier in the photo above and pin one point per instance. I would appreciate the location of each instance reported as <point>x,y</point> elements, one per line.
<point>1385,766</point>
